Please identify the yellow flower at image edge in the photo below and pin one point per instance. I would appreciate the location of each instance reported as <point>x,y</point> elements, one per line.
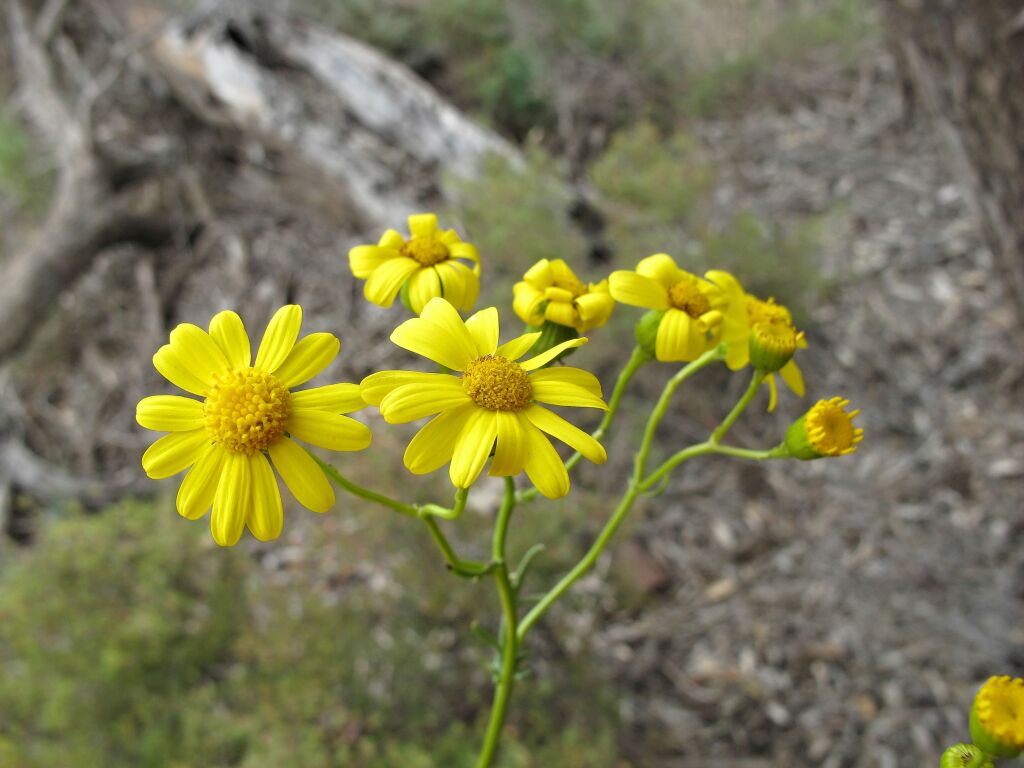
<point>493,405</point>
<point>248,412</point>
<point>745,312</point>
<point>550,291</point>
<point>692,306</point>
<point>826,430</point>
<point>429,264</point>
<point>997,717</point>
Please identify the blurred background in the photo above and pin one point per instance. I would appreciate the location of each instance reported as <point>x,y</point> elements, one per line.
<point>859,160</point>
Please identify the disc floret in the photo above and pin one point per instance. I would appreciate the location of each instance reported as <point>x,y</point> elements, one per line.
<point>497,384</point>
<point>245,411</point>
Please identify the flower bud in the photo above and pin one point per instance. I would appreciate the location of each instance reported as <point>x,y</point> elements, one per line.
<point>772,344</point>
<point>646,332</point>
<point>825,430</point>
<point>997,717</point>
<point>965,756</point>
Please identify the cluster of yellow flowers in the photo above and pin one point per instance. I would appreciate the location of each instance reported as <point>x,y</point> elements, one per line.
<point>487,402</point>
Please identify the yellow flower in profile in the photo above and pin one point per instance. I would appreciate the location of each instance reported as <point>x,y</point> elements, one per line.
<point>743,313</point>
<point>432,262</point>
<point>826,430</point>
<point>550,291</point>
<point>692,306</point>
<point>997,716</point>
<point>493,405</point>
<point>248,412</point>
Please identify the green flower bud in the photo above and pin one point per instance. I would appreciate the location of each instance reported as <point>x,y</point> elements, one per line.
<point>965,756</point>
<point>825,430</point>
<point>772,344</point>
<point>647,332</point>
<point>997,717</point>
<point>551,335</point>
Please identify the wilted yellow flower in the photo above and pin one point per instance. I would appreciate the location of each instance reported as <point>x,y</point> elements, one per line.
<point>431,263</point>
<point>692,306</point>
<point>743,312</point>
<point>247,413</point>
<point>825,430</point>
<point>550,291</point>
<point>493,405</point>
<point>997,716</point>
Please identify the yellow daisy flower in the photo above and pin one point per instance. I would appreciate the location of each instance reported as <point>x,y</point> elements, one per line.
<point>692,306</point>
<point>997,716</point>
<point>431,263</point>
<point>826,430</point>
<point>493,405</point>
<point>551,291</point>
<point>743,312</point>
<point>247,413</point>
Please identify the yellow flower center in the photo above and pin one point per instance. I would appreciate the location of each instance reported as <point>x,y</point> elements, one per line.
<point>1000,708</point>
<point>427,250</point>
<point>766,311</point>
<point>776,336</point>
<point>571,284</point>
<point>497,384</point>
<point>245,411</point>
<point>687,296</point>
<point>830,428</point>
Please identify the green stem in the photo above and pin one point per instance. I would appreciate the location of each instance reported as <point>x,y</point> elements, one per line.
<point>636,362</point>
<point>365,493</point>
<point>510,644</point>
<point>467,568</point>
<point>704,449</point>
<point>738,409</point>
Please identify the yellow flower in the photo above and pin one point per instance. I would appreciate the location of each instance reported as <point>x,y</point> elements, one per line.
<point>997,716</point>
<point>743,312</point>
<point>825,430</point>
<point>429,264</point>
<point>247,412</point>
<point>550,291</point>
<point>492,405</point>
<point>692,306</point>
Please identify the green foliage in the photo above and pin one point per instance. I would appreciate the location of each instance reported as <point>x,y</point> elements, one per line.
<point>128,638</point>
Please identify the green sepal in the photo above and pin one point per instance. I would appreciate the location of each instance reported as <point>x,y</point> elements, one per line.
<point>798,444</point>
<point>646,332</point>
<point>765,358</point>
<point>987,742</point>
<point>551,335</point>
<point>403,295</point>
<point>965,756</point>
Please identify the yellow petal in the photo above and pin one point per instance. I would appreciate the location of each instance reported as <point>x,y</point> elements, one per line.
<point>729,284</point>
<point>266,518</point>
<point>472,448</point>
<point>308,358</point>
<point>459,284</point>
<point>227,330</point>
<point>678,338</point>
<point>174,452</point>
<point>526,303</point>
<point>466,251</point>
<point>375,386</point>
<point>391,239</point>
<point>637,290</point>
<point>569,434</point>
<point>554,293</point>
<point>424,285</point>
<point>545,357</point>
<point>513,350</point>
<point>169,365</point>
<point>232,501</point>
<point>562,314</point>
<point>540,274</point>
<point>595,308</point>
<point>197,490</point>
<point>773,392</point>
<point>329,430</point>
<point>793,377</point>
<point>303,476</point>
<point>544,466</point>
<point>364,259</point>
<point>198,352</point>
<point>386,281</point>
<point>512,446</point>
<point>169,413</point>
<point>422,224</point>
<point>414,401</point>
<point>439,335</point>
<point>335,398</point>
<point>569,375</point>
<point>279,338</point>
<point>432,447</point>
<point>483,329</point>
<point>563,393</point>
<point>738,354</point>
<point>661,268</point>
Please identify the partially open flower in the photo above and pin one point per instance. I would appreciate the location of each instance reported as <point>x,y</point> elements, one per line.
<point>965,756</point>
<point>997,716</point>
<point>772,344</point>
<point>551,292</point>
<point>432,262</point>
<point>825,430</point>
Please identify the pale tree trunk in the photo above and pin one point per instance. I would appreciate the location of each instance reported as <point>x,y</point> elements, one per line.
<point>965,59</point>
